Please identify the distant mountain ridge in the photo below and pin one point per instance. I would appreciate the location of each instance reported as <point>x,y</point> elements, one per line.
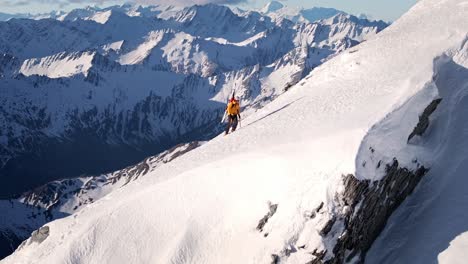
<point>277,11</point>
<point>52,14</point>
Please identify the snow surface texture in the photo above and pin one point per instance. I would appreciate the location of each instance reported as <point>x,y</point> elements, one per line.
<point>204,206</point>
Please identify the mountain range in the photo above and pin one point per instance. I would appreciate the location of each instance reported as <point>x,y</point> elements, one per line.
<point>136,85</point>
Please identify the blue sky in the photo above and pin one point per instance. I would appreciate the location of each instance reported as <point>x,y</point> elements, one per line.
<point>388,10</point>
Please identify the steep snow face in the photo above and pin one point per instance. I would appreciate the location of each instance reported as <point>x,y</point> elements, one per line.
<point>263,193</point>
<point>101,17</point>
<point>112,47</point>
<point>139,54</point>
<point>436,213</point>
<point>60,65</point>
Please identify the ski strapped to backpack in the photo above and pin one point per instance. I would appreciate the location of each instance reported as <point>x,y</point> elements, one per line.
<point>224,117</point>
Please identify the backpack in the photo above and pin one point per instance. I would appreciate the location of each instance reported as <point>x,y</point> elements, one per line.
<point>233,108</point>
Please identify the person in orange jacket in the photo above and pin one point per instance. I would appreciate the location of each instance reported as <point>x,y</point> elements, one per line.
<point>233,114</point>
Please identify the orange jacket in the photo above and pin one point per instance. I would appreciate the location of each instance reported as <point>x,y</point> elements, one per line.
<point>233,108</point>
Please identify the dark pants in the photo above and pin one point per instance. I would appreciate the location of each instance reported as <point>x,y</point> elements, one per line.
<point>232,122</point>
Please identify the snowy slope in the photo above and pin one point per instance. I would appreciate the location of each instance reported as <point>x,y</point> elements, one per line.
<point>60,65</point>
<point>64,197</point>
<point>349,115</point>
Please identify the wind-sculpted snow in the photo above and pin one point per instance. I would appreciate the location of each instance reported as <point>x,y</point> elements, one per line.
<point>282,171</point>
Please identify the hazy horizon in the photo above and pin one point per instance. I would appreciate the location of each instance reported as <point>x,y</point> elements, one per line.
<point>379,10</point>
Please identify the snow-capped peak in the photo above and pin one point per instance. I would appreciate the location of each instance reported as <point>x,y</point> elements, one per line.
<point>272,6</point>
<point>101,17</point>
<point>278,11</point>
<point>209,12</point>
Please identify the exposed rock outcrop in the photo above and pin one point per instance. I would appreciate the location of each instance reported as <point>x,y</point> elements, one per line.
<point>38,236</point>
<point>366,207</point>
<point>423,123</point>
<point>264,220</point>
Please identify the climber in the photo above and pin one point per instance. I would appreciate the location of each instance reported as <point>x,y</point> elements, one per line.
<point>233,114</point>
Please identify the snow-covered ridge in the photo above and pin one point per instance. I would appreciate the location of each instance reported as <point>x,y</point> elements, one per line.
<point>65,197</point>
<point>279,196</point>
<point>279,12</point>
